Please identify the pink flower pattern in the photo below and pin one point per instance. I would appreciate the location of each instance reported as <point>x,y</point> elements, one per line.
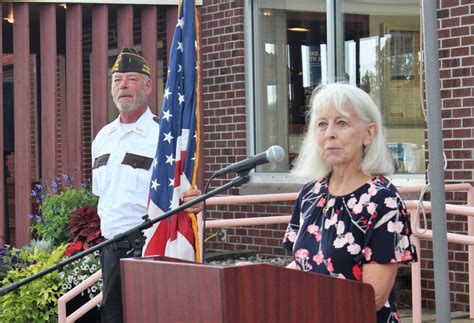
<point>337,235</point>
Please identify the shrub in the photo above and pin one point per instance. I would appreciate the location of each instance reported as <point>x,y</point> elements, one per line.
<point>10,259</point>
<point>37,300</point>
<point>55,208</point>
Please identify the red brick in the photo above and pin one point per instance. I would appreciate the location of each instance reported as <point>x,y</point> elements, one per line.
<point>459,11</point>
<point>467,40</point>
<point>462,92</point>
<point>468,122</point>
<point>450,22</point>
<point>467,20</point>
<point>467,61</point>
<point>450,103</point>
<point>450,42</point>
<point>460,51</point>
<point>463,112</point>
<point>449,3</point>
<point>452,144</point>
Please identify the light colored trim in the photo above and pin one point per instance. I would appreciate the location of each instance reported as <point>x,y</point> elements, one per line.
<point>339,33</point>
<point>288,178</point>
<point>249,80</point>
<point>150,2</point>
<point>331,41</point>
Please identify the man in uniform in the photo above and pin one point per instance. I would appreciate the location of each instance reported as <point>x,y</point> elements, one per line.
<point>123,153</point>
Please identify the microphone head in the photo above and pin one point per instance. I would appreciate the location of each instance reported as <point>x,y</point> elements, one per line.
<point>275,154</point>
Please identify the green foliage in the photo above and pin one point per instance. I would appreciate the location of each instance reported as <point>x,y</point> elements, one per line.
<point>56,210</point>
<point>43,245</point>
<point>81,269</point>
<point>37,300</point>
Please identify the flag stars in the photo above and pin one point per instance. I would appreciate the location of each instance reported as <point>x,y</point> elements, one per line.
<point>167,115</point>
<point>167,93</point>
<point>171,182</point>
<point>180,98</point>
<point>168,137</point>
<point>180,68</point>
<point>180,46</point>
<point>154,184</point>
<point>155,162</point>
<point>169,159</point>
<point>180,23</point>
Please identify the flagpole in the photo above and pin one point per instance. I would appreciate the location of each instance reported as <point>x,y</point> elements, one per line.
<point>134,236</point>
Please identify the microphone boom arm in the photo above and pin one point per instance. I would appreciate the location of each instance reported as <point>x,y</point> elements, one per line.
<point>134,236</point>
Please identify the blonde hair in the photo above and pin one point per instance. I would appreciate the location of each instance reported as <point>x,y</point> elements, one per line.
<point>377,159</point>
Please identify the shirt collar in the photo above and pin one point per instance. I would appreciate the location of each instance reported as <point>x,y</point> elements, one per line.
<point>141,125</point>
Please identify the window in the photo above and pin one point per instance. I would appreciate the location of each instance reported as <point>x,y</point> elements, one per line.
<point>297,45</point>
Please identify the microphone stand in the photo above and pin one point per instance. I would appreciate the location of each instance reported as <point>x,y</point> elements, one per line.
<point>134,236</point>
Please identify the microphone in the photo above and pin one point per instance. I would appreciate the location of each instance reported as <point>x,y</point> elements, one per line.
<point>274,154</point>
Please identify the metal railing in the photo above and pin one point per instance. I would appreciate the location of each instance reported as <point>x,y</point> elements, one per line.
<point>466,210</point>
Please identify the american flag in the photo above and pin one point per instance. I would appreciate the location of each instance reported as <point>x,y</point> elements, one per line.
<point>176,156</point>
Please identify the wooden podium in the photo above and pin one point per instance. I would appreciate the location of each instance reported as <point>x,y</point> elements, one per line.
<point>167,290</point>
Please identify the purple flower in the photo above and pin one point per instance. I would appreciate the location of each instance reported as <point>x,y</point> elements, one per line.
<point>33,193</point>
<point>54,186</point>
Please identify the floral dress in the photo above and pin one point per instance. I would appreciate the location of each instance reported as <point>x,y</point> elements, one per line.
<point>337,235</point>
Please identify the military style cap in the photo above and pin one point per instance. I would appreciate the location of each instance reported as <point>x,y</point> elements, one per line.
<point>130,61</point>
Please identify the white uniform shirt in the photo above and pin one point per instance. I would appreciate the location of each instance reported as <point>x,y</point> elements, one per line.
<point>122,179</point>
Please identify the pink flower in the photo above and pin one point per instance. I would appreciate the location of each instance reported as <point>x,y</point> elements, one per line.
<point>339,242</point>
<point>352,202</point>
<point>390,202</point>
<point>317,187</point>
<point>372,189</point>
<point>312,228</point>
<point>331,202</point>
<point>357,208</point>
<point>321,202</point>
<point>301,253</point>
<point>396,226</point>
<point>367,253</point>
<point>371,207</point>
<point>364,198</point>
<point>318,259</point>
<point>340,227</point>
<point>353,248</point>
<point>330,265</point>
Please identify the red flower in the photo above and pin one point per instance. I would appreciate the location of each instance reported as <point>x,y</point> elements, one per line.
<point>357,272</point>
<point>70,250</point>
<point>78,245</point>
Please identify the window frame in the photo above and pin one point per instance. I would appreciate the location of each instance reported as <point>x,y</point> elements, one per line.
<point>333,8</point>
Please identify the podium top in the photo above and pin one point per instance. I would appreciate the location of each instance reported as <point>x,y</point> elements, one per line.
<point>162,289</point>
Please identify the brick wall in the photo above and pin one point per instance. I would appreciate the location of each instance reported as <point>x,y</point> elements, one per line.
<point>224,125</point>
<point>223,82</point>
<point>456,44</point>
